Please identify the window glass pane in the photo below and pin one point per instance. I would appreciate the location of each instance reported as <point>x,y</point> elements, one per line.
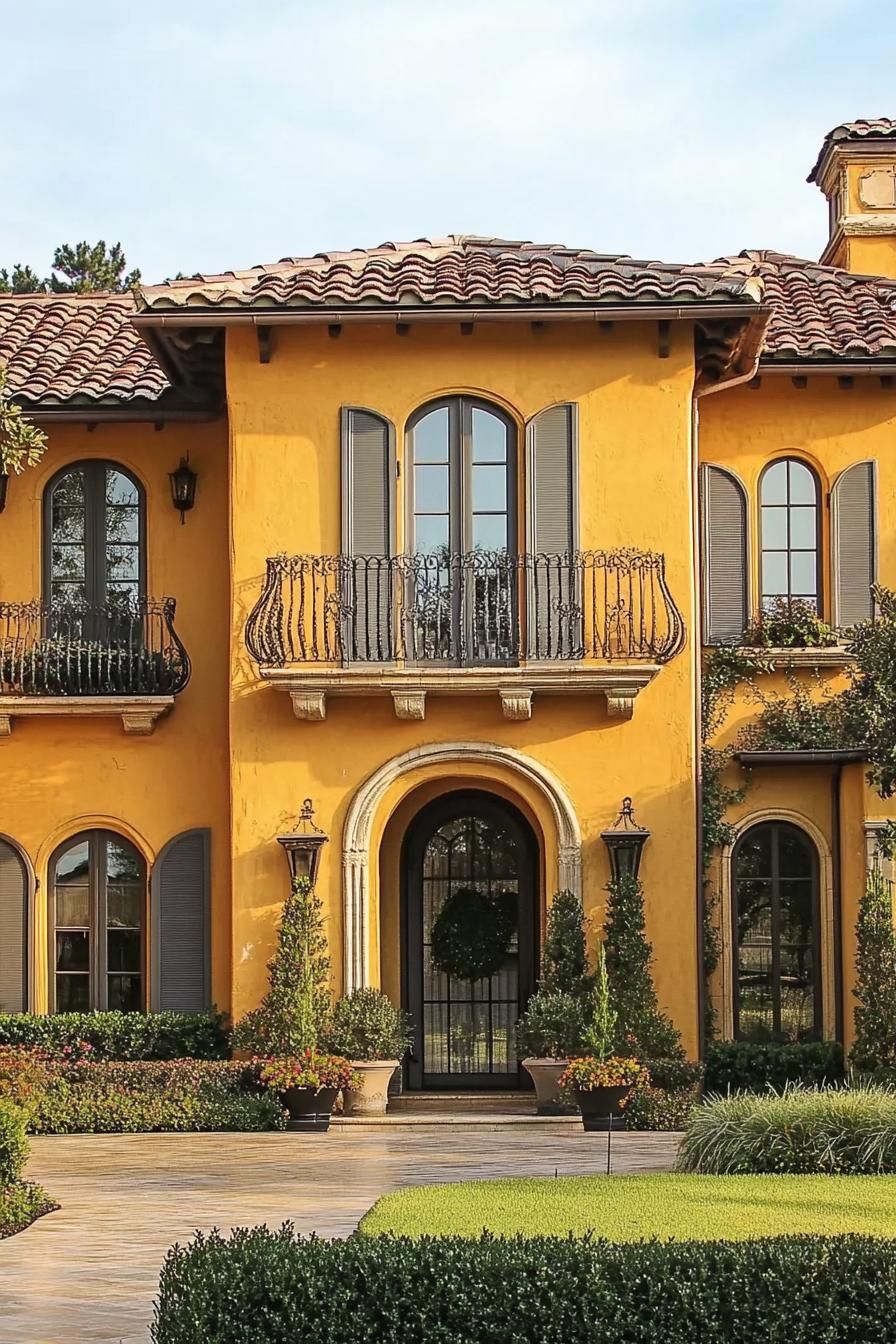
<point>122,524</point>
<point>774,484</point>
<point>430,533</point>
<point>794,854</point>
<point>489,488</point>
<point>795,906</point>
<point>125,994</point>
<point>72,865</point>
<point>774,574</point>
<point>803,573</point>
<point>802,528</point>
<point>119,489</point>
<point>123,904</point>
<point>122,563</point>
<point>72,907</point>
<point>756,1014</point>
<point>754,853</point>
<point>68,562</point>
<point>73,951</point>
<point>797,992</point>
<point>489,437</point>
<point>69,489</point>
<point>72,993</point>
<point>431,437</point>
<point>123,950</point>
<point>754,911</point>
<point>802,484</point>
<point>68,524</point>
<point>774,528</point>
<point>431,489</point>
<point>490,531</point>
<point>123,863</point>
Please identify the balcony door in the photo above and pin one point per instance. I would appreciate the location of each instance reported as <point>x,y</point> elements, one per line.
<point>462,602</point>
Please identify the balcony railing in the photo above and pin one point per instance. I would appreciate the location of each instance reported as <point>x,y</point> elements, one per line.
<point>481,608</point>
<point>129,647</point>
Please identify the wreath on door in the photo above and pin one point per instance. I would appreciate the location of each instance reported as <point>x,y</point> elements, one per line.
<point>472,933</point>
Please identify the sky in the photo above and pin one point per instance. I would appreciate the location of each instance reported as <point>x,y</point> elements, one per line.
<point>209,135</point>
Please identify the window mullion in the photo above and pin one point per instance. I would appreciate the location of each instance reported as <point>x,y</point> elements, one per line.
<point>776,932</point>
<point>99,939</point>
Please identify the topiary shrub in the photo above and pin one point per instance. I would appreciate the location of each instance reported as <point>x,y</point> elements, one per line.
<point>642,1029</point>
<point>115,1035</point>
<point>564,956</point>
<point>552,1027</point>
<point>750,1066</point>
<point>271,1287</point>
<point>874,1049</point>
<point>834,1131</point>
<point>366,1025</point>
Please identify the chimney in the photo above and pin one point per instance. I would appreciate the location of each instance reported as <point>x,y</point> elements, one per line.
<point>856,170</point>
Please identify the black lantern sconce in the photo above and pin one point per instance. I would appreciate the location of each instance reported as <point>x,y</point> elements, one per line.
<point>303,845</point>
<point>4,486</point>
<point>183,487</point>
<point>625,841</point>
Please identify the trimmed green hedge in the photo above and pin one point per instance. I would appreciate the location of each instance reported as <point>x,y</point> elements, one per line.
<point>121,1035</point>
<point>13,1143</point>
<point>735,1066</point>
<point>264,1287</point>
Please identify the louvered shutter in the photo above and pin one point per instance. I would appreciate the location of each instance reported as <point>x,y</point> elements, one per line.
<point>180,920</point>
<point>13,930</point>
<point>368,474</point>
<point>854,528</point>
<point>724,556</point>
<point>555,616</point>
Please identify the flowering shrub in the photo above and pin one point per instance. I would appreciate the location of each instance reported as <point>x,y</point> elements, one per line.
<point>311,1068</point>
<point>584,1075</point>
<point>65,1096</point>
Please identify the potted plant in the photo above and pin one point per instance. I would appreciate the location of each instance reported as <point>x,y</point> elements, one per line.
<point>549,1033</point>
<point>602,1082</point>
<point>552,1028</point>
<point>308,1085</point>
<point>373,1034</point>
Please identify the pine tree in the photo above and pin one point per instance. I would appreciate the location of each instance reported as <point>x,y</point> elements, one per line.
<point>295,1010</point>
<point>79,268</point>
<point>642,1029</point>
<point>564,959</point>
<point>875,989</point>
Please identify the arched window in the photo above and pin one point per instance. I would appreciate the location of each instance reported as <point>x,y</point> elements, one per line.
<point>776,949</point>
<point>97,917</point>
<point>93,537</point>
<point>790,534</point>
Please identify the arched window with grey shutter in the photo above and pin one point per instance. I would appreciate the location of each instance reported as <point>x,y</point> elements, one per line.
<point>14,892</point>
<point>854,543</point>
<point>725,556</point>
<point>555,606</point>
<point>180,923</point>
<point>368,533</point>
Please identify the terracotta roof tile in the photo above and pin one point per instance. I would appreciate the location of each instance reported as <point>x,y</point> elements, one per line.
<point>459,270</point>
<point>869,128</point>
<point>68,348</point>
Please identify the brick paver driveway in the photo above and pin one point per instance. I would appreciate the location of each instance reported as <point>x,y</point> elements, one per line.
<point>89,1272</point>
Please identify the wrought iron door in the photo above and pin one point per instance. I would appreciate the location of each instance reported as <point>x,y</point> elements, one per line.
<point>464,1034</point>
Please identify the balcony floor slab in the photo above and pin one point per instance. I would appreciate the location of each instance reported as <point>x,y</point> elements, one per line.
<point>138,713</point>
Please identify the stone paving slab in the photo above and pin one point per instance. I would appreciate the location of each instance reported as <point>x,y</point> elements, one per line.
<point>89,1272</point>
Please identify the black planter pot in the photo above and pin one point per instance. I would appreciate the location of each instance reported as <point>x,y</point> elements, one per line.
<point>309,1108</point>
<point>602,1106</point>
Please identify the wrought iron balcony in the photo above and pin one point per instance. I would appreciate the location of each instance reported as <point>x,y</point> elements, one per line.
<point>478,609</point>
<point>127,648</point>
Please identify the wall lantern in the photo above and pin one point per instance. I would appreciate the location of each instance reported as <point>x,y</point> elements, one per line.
<point>625,841</point>
<point>304,844</point>
<point>4,486</point>
<point>183,487</point>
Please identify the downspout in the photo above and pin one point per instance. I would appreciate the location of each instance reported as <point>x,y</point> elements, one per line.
<point>837,889</point>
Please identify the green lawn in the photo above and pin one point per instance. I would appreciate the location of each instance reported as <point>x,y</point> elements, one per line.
<point>628,1208</point>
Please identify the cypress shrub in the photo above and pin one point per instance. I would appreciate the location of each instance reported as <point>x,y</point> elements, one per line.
<point>875,1017</point>
<point>271,1287</point>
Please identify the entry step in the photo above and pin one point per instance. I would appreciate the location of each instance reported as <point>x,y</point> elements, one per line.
<point>434,1102</point>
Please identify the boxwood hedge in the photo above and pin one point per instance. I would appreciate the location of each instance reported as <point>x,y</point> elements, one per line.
<point>121,1035</point>
<point>264,1287</point>
<point>755,1066</point>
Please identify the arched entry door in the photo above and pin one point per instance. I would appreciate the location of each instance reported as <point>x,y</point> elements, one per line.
<point>464,1035</point>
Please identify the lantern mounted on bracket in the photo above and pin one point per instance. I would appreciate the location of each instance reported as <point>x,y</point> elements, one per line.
<point>625,841</point>
<point>183,487</point>
<point>303,845</point>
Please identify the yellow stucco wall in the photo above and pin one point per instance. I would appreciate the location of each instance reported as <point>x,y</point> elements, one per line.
<point>62,775</point>
<point>635,490</point>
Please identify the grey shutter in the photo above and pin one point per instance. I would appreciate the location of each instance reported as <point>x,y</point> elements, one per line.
<point>179,925</point>
<point>368,475</point>
<point>724,556</point>
<point>854,528</point>
<point>555,621</point>
<point>13,930</point>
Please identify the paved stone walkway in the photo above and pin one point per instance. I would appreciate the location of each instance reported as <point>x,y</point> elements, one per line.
<point>89,1272</point>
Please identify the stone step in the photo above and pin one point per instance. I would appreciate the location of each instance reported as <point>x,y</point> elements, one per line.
<point>482,1122</point>
<point>492,1102</point>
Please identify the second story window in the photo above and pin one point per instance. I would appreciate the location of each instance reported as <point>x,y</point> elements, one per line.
<point>93,537</point>
<point>789,534</point>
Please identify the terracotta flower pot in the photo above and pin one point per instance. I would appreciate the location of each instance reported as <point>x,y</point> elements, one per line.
<point>545,1074</point>
<point>372,1097</point>
<point>602,1105</point>
<point>309,1108</point>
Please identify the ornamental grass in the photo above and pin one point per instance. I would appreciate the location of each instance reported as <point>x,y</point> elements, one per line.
<point>835,1131</point>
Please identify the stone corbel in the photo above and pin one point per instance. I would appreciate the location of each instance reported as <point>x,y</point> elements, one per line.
<point>5,725</point>
<point>138,722</point>
<point>620,701</point>
<point>309,704</point>
<point>409,704</point>
<point>516,702</point>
